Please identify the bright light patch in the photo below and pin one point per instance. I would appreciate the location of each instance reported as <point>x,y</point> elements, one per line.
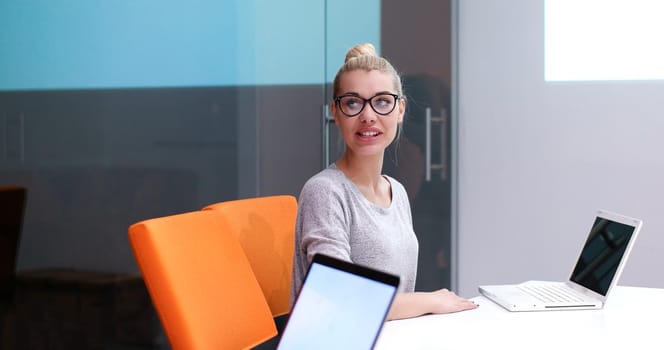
<point>604,40</point>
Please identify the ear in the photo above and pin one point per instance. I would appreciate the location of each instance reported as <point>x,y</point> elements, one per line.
<point>334,111</point>
<point>401,110</point>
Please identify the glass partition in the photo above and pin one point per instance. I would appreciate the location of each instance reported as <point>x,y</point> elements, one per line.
<point>110,115</point>
<point>417,39</point>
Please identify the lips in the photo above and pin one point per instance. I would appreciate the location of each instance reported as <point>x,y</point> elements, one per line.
<point>369,133</point>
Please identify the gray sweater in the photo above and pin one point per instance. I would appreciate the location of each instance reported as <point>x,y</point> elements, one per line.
<point>335,218</point>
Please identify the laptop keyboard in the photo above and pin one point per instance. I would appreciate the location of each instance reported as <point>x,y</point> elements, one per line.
<point>552,293</point>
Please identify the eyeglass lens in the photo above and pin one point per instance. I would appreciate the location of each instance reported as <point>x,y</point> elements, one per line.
<point>382,104</point>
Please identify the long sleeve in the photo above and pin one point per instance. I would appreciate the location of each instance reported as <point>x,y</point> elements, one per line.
<point>334,218</point>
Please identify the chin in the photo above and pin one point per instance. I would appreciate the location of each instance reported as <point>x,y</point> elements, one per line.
<point>367,151</point>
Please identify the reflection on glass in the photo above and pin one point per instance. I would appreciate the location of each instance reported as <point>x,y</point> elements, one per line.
<point>601,255</point>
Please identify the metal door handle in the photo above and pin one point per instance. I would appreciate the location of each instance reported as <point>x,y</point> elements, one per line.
<point>442,165</point>
<point>327,120</point>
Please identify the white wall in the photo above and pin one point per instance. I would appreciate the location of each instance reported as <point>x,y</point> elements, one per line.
<point>537,159</point>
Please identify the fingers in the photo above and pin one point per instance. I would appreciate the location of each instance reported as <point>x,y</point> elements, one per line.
<point>464,305</point>
<point>469,304</point>
<point>451,302</point>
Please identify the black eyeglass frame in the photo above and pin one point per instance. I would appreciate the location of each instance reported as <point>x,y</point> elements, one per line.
<point>337,102</point>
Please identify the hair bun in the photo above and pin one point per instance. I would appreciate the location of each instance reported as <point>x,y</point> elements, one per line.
<point>365,49</point>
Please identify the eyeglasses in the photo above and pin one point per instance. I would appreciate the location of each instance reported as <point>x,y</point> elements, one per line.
<point>352,105</point>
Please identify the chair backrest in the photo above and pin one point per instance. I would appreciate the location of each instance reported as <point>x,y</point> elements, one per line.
<point>265,227</point>
<point>200,282</point>
<point>12,206</point>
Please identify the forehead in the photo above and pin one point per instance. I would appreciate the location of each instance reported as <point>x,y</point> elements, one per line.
<point>365,82</point>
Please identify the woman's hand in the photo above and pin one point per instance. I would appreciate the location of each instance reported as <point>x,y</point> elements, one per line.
<point>442,301</point>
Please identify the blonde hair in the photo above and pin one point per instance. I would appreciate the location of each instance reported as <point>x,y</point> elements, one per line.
<point>364,57</point>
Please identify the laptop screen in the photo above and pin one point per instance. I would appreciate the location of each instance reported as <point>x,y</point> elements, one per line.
<point>340,306</point>
<point>602,254</point>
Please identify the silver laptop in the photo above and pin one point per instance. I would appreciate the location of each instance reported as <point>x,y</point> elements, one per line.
<point>597,270</point>
<point>340,306</point>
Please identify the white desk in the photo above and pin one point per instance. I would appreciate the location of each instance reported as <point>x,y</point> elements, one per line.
<point>633,318</point>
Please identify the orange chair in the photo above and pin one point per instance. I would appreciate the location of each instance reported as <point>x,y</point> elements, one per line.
<point>265,227</point>
<point>201,283</point>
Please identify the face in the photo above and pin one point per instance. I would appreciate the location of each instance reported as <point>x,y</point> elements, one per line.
<point>368,133</point>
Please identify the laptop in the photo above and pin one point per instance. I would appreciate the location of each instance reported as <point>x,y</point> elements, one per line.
<point>596,272</point>
<point>340,305</point>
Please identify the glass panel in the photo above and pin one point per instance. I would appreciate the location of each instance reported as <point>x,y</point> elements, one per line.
<point>204,118</point>
<point>339,37</point>
<point>425,65</point>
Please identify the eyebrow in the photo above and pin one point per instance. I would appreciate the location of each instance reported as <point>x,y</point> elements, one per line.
<point>358,95</point>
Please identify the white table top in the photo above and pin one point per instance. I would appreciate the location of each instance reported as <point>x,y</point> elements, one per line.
<point>633,318</point>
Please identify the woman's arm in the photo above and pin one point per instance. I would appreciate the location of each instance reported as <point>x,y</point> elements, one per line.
<point>442,301</point>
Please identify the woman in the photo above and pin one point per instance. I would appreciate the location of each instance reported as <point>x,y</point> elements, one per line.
<point>351,211</point>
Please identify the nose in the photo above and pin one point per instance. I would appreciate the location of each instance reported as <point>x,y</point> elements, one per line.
<point>367,115</point>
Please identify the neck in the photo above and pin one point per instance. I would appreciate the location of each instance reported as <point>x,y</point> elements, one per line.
<point>362,170</point>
